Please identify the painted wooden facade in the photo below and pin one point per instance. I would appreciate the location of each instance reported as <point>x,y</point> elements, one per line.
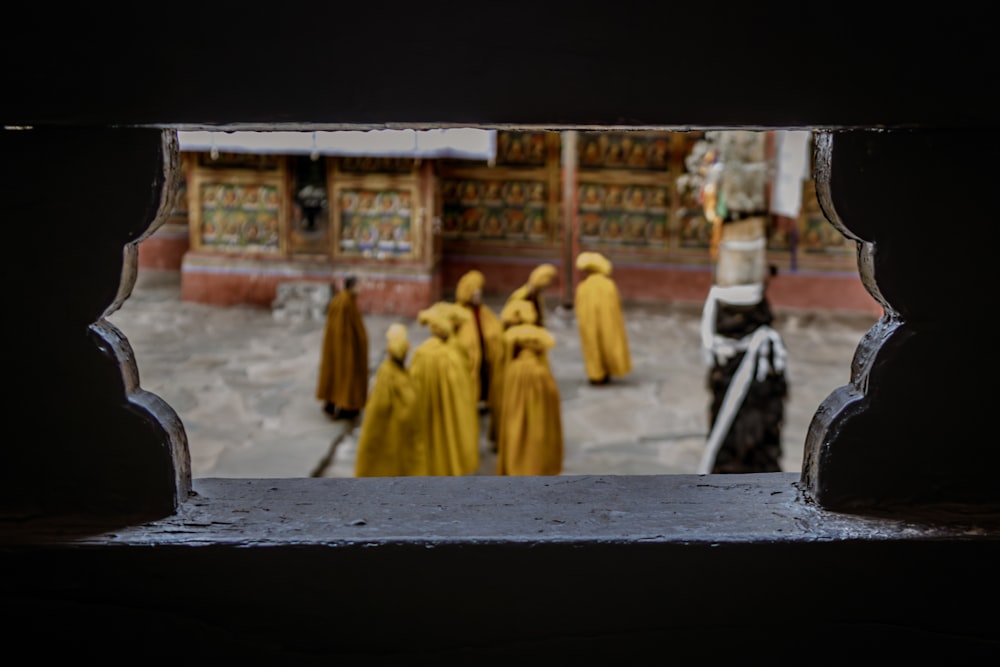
<point>409,228</point>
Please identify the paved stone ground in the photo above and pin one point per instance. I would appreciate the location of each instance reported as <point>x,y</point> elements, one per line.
<point>242,380</point>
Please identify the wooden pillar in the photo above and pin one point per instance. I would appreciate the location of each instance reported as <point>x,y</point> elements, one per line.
<point>571,226</point>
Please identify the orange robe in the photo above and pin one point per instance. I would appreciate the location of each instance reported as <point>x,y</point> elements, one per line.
<point>343,369</point>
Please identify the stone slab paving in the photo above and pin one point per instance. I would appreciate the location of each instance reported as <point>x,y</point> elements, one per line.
<point>242,380</point>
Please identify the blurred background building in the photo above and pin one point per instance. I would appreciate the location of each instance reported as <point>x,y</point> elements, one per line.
<point>410,211</point>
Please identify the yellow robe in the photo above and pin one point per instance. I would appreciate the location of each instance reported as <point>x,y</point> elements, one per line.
<point>496,389</point>
<point>504,356</point>
<point>481,339</point>
<point>471,399</point>
<point>447,442</point>
<point>603,338</point>
<point>530,437</point>
<point>484,344</point>
<point>386,440</point>
<point>524,293</point>
<point>343,369</point>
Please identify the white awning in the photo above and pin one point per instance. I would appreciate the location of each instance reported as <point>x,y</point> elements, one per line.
<point>463,143</point>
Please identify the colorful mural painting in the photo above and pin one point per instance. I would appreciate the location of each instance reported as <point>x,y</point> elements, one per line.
<point>623,214</point>
<point>240,217</point>
<point>522,148</point>
<point>494,210</point>
<point>375,223</point>
<point>629,150</point>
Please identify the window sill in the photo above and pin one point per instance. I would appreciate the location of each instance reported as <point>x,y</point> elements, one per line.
<point>641,509</point>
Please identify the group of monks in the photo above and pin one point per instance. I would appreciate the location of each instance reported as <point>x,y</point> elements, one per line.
<point>424,417</point>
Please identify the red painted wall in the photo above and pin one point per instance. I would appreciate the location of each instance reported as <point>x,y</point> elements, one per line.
<point>209,279</point>
<point>656,284</point>
<point>406,295</point>
<point>164,252</point>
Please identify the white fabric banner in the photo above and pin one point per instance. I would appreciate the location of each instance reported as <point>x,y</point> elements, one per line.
<point>792,168</point>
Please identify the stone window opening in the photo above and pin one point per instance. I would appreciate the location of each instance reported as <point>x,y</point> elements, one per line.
<point>885,545</point>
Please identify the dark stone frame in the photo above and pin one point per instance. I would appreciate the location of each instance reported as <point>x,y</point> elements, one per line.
<point>888,539</point>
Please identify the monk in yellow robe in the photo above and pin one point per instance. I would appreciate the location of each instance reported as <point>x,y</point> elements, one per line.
<point>480,335</point>
<point>458,317</point>
<point>530,437</point>
<point>599,318</point>
<point>513,313</point>
<point>447,442</point>
<point>342,382</point>
<point>389,425</point>
<point>532,292</point>
<point>540,278</point>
